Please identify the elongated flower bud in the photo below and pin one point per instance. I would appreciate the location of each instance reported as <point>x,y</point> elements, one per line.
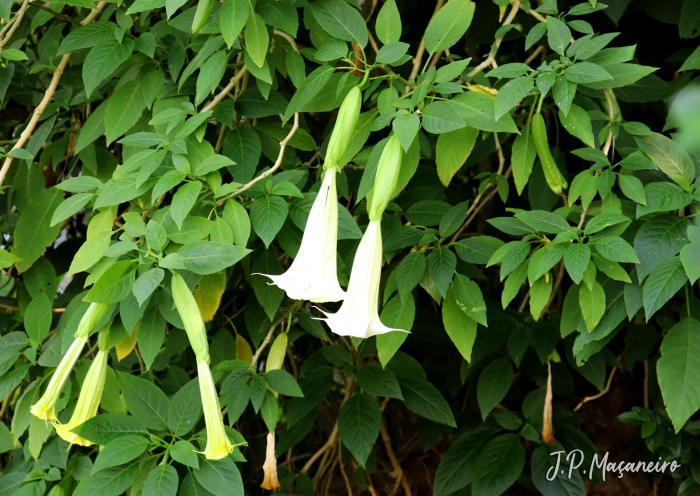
<point>344,128</point>
<point>275,358</point>
<point>386,178</point>
<point>313,275</point>
<point>359,314</point>
<point>189,312</point>
<point>88,400</point>
<point>270,481</point>
<point>547,431</point>
<point>218,445</point>
<point>92,317</point>
<point>45,407</point>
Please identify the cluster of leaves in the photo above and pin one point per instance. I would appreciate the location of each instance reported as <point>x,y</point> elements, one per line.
<point>156,149</point>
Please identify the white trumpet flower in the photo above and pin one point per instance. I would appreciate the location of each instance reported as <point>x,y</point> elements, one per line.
<point>313,274</point>
<point>359,314</point>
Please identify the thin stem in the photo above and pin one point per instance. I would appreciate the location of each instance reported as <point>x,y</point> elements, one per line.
<point>218,98</point>
<point>491,59</point>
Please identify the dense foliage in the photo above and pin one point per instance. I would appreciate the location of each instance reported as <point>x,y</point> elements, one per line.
<point>539,243</point>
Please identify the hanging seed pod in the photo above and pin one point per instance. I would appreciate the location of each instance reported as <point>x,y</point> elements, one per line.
<point>551,172</point>
<point>344,127</point>
<point>191,317</point>
<point>275,358</point>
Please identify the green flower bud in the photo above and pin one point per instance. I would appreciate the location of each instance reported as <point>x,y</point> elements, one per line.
<point>92,317</point>
<point>344,128</point>
<point>218,445</point>
<point>189,312</point>
<point>386,178</point>
<point>275,358</point>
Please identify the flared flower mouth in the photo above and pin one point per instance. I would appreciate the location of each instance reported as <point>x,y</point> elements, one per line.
<point>45,407</point>
<point>218,444</point>
<point>88,401</point>
<point>313,274</point>
<point>359,314</point>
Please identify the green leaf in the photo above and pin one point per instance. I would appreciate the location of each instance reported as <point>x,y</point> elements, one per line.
<point>576,260</point>
<point>493,385</point>
<point>469,298</point>
<point>405,128</point>
<point>448,25</point>
<point>388,23</point>
<point>663,197</point>
<point>499,464</point>
<point>282,15</point>
<point>232,18</point>
<point>87,36</point>
<point>243,146</point>
<point>340,20</point>
<point>398,313</point>
<point>151,334</point>
<point>541,220</point>
<point>540,292</point>
<point>161,481</point>
<point>456,469</point>
<point>119,451</point>
<point>109,482</point>
<point>127,103</point>
<point>7,259</point>
<point>70,206</point>
<point>511,93</point>
<point>657,240</point>
<point>238,220</point>
<point>103,59</point>
<point>441,267</point>
<point>359,421</point>
<point>207,257</point>
<point>210,75</point>
<point>33,232</point>
<point>452,150</point>
<point>578,123</point>
<point>632,188</point>
<point>183,452</point>
<point>670,157</point>
<point>466,109</point>
<point>622,75</point>
<point>535,34</point>
<point>283,383</point>
<point>183,201</point>
<point>147,283</point>
<point>425,400</point>
<point>375,380</point>
<point>37,318</point>
<point>662,284</point>
<point>185,408</point>
<point>114,284</point>
<point>592,302</point>
<point>459,326</point>
<point>267,215</point>
<point>14,54</point>
<point>558,35</point>
<point>563,92</point>
<point>678,370</point>
<point>257,39</point>
<point>146,402</point>
<point>479,249</point>
<point>409,272</point>
<point>391,52</point>
<point>690,254</point>
<point>616,249</point>
<point>107,427</point>
<point>586,73</point>
<point>543,466</point>
<point>220,477</point>
<point>309,88</point>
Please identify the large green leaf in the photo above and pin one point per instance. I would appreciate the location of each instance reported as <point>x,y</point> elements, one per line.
<point>359,421</point>
<point>499,465</point>
<point>448,25</point>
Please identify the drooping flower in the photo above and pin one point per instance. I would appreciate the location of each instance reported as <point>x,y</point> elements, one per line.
<point>270,481</point>
<point>313,274</point>
<point>359,314</point>
<point>45,407</point>
<point>88,400</point>
<point>218,444</point>
<point>191,317</point>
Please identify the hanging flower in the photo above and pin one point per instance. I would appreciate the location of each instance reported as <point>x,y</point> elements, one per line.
<point>88,400</point>
<point>218,445</point>
<point>313,274</point>
<point>270,481</point>
<point>359,314</point>
<point>191,317</point>
<point>45,407</point>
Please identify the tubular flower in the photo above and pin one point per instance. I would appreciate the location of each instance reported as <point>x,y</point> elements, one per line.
<point>88,401</point>
<point>313,274</point>
<point>189,312</point>
<point>344,128</point>
<point>270,481</point>
<point>44,408</point>
<point>359,314</point>
<point>218,445</point>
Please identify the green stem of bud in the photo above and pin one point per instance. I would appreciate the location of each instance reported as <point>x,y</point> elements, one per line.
<point>386,178</point>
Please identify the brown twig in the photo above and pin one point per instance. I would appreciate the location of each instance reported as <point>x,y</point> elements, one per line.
<point>342,471</point>
<point>534,54</point>
<point>287,37</point>
<point>262,346</point>
<point>491,59</point>
<point>397,473</point>
<point>48,96</point>
<point>13,25</point>
<point>476,206</point>
<point>596,396</point>
<point>217,99</point>
<point>278,162</point>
